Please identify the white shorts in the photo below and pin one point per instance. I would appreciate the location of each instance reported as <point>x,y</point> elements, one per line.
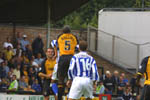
<point>81,86</point>
<point>54,75</point>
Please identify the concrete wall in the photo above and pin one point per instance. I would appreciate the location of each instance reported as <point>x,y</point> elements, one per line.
<point>32,32</point>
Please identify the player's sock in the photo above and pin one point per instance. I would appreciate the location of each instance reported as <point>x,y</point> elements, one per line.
<point>60,92</point>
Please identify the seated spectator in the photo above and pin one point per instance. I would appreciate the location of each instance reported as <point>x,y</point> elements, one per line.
<point>22,84</point>
<point>6,68</point>
<point>2,70</point>
<point>108,83</point>
<point>8,53</point>
<point>36,86</point>
<point>39,60</point>
<point>24,72</point>
<point>100,88</point>
<point>4,85</point>
<point>18,51</point>
<point>17,72</point>
<point>31,80</point>
<point>17,39</point>
<point>24,58</point>
<point>127,95</point>
<point>1,57</point>
<point>31,72</point>
<point>7,43</point>
<point>14,84</point>
<point>9,76</point>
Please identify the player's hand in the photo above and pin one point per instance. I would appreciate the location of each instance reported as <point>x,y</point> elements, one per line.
<point>49,76</point>
<point>69,82</point>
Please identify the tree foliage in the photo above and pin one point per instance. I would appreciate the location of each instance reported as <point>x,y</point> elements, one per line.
<point>88,14</point>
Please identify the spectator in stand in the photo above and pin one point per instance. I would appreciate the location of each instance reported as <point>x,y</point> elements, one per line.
<point>29,52</point>
<point>4,85</point>
<point>22,83</point>
<point>18,51</point>
<point>100,88</point>
<point>32,80</point>
<point>17,39</point>
<point>8,53</point>
<point>24,58</point>
<point>7,43</point>
<point>31,72</point>
<point>127,95</point>
<point>14,84</point>
<point>37,46</point>
<point>24,72</point>
<point>17,72</point>
<point>2,70</point>
<point>116,80</point>
<point>1,57</point>
<point>9,76</point>
<point>24,42</point>
<point>36,86</point>
<point>125,80</point>
<point>108,83</point>
<point>121,86</point>
<point>39,60</point>
<point>6,68</point>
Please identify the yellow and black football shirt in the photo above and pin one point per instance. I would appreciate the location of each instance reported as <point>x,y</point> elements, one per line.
<point>144,69</point>
<point>67,43</point>
<point>49,66</point>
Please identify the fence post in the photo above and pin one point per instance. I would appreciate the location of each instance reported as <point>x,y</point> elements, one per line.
<point>113,48</point>
<point>138,56</point>
<point>88,37</point>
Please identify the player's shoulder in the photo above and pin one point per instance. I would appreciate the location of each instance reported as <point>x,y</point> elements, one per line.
<point>145,58</point>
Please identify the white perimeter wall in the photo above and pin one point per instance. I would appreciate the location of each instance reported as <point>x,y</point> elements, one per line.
<point>121,36</point>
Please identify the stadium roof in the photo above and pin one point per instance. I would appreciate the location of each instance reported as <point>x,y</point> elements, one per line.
<point>36,11</point>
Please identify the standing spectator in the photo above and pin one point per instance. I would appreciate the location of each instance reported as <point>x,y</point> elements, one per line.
<point>29,52</point>
<point>46,72</point>
<point>24,42</point>
<point>125,80</point>
<point>14,84</point>
<point>36,86</point>
<point>66,43</point>
<point>37,46</point>
<point>18,39</point>
<point>121,86</point>
<point>7,43</point>
<point>109,83</point>
<point>82,74</point>
<point>116,80</point>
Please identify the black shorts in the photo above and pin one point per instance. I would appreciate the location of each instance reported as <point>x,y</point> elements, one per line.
<point>46,87</point>
<point>63,65</point>
<point>146,93</point>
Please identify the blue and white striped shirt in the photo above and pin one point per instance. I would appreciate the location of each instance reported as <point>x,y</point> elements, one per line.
<point>83,65</point>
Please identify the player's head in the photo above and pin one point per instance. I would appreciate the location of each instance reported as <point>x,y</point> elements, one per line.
<point>66,29</point>
<point>83,45</point>
<point>50,52</point>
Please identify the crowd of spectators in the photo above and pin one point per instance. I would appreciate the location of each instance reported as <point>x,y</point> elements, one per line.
<point>20,63</point>
<point>117,84</point>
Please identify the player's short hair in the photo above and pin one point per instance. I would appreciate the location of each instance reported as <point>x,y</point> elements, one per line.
<point>66,29</point>
<point>83,45</point>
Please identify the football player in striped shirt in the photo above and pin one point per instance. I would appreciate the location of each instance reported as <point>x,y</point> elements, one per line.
<point>82,74</point>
